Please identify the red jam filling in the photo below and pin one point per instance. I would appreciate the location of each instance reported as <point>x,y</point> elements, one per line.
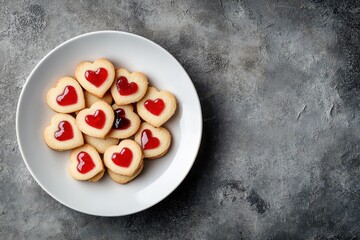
<point>97,120</point>
<point>85,163</point>
<point>123,158</point>
<point>64,132</point>
<point>96,78</point>
<point>148,141</point>
<point>120,122</point>
<point>124,87</point>
<point>155,107</point>
<point>68,97</point>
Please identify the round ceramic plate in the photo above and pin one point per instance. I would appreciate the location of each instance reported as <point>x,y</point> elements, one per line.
<point>159,177</point>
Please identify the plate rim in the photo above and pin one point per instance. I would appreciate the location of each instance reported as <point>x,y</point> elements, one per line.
<point>198,141</point>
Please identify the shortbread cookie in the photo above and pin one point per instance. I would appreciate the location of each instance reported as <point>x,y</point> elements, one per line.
<point>96,77</point>
<point>101,144</point>
<point>126,122</point>
<point>63,134</point>
<point>128,87</point>
<point>97,177</point>
<point>85,163</point>
<point>156,107</point>
<point>66,97</point>
<point>90,99</point>
<point>154,141</point>
<point>125,179</point>
<point>97,120</point>
<point>124,158</point>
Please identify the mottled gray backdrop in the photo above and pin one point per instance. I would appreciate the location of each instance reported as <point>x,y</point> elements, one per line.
<point>279,83</point>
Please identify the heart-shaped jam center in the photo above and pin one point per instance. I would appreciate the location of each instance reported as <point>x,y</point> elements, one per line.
<point>123,158</point>
<point>148,141</point>
<point>155,106</point>
<point>64,132</point>
<point>85,162</point>
<point>124,87</point>
<point>97,120</point>
<point>96,78</point>
<point>120,122</point>
<point>68,96</point>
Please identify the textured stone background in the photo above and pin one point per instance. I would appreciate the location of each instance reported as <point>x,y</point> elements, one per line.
<point>279,86</point>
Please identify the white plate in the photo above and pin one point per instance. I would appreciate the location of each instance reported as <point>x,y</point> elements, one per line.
<point>159,177</point>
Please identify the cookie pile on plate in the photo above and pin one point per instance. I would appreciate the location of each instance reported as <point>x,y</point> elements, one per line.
<point>111,120</point>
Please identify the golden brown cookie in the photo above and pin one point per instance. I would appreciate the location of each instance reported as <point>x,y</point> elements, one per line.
<point>101,144</point>
<point>154,142</point>
<point>125,158</point>
<point>86,164</point>
<point>128,87</point>
<point>97,177</point>
<point>126,122</point>
<point>63,134</point>
<point>125,179</point>
<point>96,77</point>
<point>90,99</point>
<point>156,107</point>
<point>97,120</point>
<point>66,96</point>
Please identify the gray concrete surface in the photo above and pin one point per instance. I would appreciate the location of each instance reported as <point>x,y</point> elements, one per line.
<point>279,86</point>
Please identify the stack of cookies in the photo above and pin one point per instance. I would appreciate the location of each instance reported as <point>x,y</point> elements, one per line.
<point>111,120</point>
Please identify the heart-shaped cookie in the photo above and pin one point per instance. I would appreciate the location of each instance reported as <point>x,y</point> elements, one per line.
<point>63,134</point>
<point>125,179</point>
<point>128,87</point>
<point>96,77</point>
<point>156,107</point>
<point>101,144</point>
<point>125,158</point>
<point>97,177</point>
<point>90,99</point>
<point>154,142</point>
<point>66,97</point>
<point>126,122</point>
<point>86,164</point>
<point>97,120</point>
